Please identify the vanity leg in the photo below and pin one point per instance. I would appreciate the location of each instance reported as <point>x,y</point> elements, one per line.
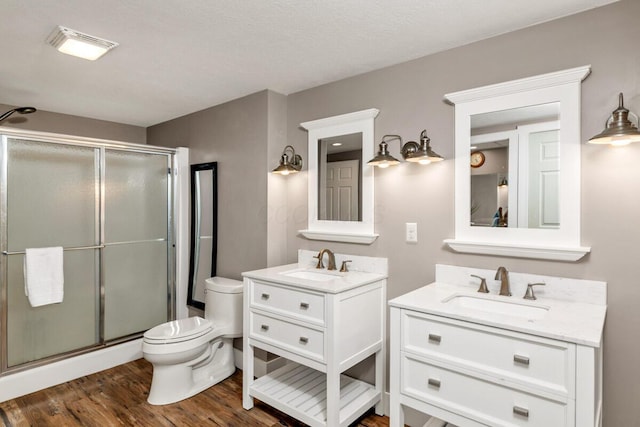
<point>396,415</point>
<point>333,398</point>
<point>396,412</point>
<point>379,378</point>
<point>380,357</point>
<point>247,350</point>
<point>247,375</point>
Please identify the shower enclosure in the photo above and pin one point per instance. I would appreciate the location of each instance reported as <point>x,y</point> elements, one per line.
<point>109,205</point>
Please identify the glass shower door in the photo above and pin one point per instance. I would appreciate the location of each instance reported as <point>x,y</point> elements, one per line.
<point>50,199</point>
<point>110,209</point>
<point>136,234</point>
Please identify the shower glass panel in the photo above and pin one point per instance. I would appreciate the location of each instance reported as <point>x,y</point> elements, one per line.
<point>36,333</point>
<point>135,288</point>
<point>136,250</point>
<point>51,200</point>
<point>52,196</point>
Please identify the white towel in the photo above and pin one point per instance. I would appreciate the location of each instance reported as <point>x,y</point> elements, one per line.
<point>43,276</point>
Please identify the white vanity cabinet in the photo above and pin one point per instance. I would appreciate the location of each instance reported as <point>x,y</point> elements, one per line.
<point>472,368</point>
<point>322,328</point>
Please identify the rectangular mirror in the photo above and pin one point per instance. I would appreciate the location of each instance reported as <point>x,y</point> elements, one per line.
<point>204,230</point>
<point>340,188</point>
<point>517,167</point>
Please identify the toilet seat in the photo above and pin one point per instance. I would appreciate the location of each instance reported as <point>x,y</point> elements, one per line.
<point>178,331</point>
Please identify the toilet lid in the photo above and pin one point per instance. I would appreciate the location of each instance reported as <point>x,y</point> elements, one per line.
<point>179,329</point>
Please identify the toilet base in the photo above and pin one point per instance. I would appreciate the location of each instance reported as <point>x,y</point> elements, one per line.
<point>173,383</point>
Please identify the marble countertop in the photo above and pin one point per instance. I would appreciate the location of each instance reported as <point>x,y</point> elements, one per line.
<point>570,321</point>
<point>339,282</point>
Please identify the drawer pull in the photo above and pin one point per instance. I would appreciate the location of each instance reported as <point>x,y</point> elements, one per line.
<point>435,338</point>
<point>264,327</point>
<point>436,383</point>
<point>304,305</point>
<point>523,360</point>
<point>521,411</point>
<point>265,296</point>
<point>304,340</point>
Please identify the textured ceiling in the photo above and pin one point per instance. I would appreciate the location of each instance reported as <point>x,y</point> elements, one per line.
<point>180,56</point>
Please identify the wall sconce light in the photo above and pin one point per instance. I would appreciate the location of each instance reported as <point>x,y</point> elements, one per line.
<point>421,153</point>
<point>411,152</point>
<point>503,182</point>
<point>619,129</point>
<point>289,166</point>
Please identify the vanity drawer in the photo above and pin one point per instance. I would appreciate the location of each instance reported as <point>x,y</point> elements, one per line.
<point>288,301</point>
<point>288,336</point>
<point>481,400</point>
<point>540,363</point>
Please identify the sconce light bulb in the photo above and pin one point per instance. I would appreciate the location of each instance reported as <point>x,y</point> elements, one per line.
<point>620,142</point>
<point>284,173</point>
<point>424,162</point>
<point>383,165</point>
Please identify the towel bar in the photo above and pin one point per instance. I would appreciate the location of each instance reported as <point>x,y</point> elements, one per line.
<point>79,248</point>
<point>76,248</point>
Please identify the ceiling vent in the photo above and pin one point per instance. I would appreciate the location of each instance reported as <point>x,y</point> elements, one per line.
<point>78,44</point>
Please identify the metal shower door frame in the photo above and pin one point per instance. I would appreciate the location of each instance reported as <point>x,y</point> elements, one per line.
<point>100,154</point>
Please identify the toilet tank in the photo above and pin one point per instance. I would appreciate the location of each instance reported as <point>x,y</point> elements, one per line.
<point>223,305</point>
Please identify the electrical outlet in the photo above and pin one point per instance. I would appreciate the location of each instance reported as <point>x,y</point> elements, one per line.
<point>411,232</point>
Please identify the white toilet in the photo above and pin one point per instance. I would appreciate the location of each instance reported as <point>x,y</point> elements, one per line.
<point>190,355</point>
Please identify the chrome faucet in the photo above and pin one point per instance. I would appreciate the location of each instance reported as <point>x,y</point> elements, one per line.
<point>332,259</point>
<point>503,275</point>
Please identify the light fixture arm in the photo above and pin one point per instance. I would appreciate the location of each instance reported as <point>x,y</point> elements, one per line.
<point>384,145</point>
<point>296,159</point>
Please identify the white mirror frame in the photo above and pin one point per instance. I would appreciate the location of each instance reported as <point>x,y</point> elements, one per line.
<point>341,231</point>
<point>562,244</point>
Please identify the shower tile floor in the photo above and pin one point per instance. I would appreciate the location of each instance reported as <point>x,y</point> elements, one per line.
<point>117,397</point>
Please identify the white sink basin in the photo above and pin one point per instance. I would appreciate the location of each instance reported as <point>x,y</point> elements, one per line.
<point>310,275</point>
<point>509,307</point>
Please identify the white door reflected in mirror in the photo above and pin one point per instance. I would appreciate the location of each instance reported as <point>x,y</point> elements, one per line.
<point>339,160</point>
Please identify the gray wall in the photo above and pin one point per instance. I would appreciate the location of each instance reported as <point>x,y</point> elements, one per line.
<point>409,97</point>
<point>45,121</point>
<point>235,135</point>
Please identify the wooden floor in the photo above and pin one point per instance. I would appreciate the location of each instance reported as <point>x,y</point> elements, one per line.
<point>118,397</point>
